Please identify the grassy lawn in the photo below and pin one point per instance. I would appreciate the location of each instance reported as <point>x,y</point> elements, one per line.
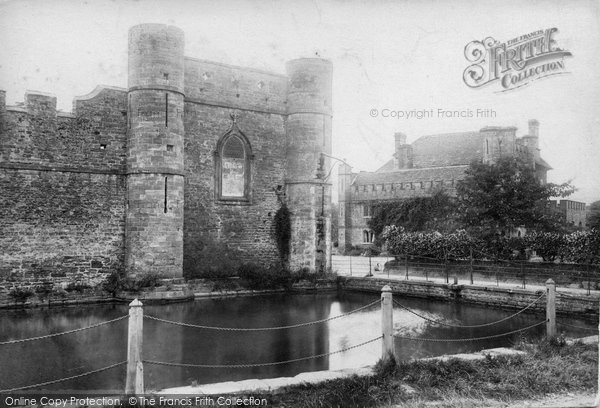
<point>547,368</point>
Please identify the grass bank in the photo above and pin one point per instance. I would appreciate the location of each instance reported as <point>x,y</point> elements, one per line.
<point>548,367</point>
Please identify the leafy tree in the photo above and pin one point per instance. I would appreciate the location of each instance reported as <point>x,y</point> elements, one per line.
<point>594,217</point>
<point>500,197</point>
<point>432,213</point>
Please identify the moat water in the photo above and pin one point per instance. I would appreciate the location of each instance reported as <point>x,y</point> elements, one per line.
<point>69,355</point>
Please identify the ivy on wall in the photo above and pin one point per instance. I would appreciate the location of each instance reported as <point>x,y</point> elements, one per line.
<point>283,231</point>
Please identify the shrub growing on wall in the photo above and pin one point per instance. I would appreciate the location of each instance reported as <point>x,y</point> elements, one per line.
<point>283,232</point>
<point>437,212</point>
<point>207,259</point>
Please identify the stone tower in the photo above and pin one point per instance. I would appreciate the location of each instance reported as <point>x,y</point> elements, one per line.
<point>308,192</point>
<point>155,173</point>
<point>403,152</point>
<point>498,142</point>
<point>531,141</point>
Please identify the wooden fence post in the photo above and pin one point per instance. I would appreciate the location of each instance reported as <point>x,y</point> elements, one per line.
<point>471,264</point>
<point>597,402</point>
<point>135,369</point>
<point>387,322</point>
<point>350,265</point>
<point>550,308</point>
<point>446,268</point>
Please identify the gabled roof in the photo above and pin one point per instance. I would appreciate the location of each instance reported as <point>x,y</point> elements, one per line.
<point>389,166</point>
<point>411,175</point>
<point>447,149</point>
<point>541,162</point>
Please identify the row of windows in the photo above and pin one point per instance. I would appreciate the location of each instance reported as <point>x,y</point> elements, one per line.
<point>575,205</point>
<point>403,186</point>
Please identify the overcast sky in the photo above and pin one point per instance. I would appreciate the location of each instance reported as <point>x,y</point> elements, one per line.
<point>398,55</point>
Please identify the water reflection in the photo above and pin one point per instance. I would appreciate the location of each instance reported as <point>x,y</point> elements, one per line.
<point>63,356</point>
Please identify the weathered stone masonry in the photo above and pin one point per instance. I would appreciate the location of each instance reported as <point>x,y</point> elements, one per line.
<point>134,180</point>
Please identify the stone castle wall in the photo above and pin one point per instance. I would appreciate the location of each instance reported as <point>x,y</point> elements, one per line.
<point>63,187</point>
<point>255,100</point>
<point>127,183</point>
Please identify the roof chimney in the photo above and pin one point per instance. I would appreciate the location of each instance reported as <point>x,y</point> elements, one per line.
<point>403,152</point>
<point>534,128</point>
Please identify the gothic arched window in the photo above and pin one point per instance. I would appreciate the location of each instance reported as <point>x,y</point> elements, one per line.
<point>233,159</point>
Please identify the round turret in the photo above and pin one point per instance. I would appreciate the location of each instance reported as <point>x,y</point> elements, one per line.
<point>309,87</point>
<point>309,117</point>
<point>155,170</point>
<point>308,129</point>
<point>156,57</point>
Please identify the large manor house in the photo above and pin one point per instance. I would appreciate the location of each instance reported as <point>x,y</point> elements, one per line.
<point>417,169</point>
<point>188,165</point>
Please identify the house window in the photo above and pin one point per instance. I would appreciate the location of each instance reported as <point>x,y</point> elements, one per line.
<point>233,159</point>
<point>368,237</point>
<point>367,210</point>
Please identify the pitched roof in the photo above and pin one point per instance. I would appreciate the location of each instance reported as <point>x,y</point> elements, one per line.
<point>389,166</point>
<point>447,149</point>
<point>411,175</point>
<point>541,162</point>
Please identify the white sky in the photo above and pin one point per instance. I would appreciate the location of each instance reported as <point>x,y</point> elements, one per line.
<point>387,54</point>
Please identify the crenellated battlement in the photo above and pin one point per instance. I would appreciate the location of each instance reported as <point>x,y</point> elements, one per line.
<point>43,105</point>
<point>92,138</point>
<point>217,145</point>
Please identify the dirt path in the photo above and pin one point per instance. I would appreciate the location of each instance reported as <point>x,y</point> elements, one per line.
<point>559,401</point>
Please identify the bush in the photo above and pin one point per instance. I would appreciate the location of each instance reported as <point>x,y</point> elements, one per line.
<point>283,232</point>
<point>150,280</point>
<point>44,290</point>
<point>77,287</point>
<point>385,367</point>
<point>135,285</point>
<point>20,295</point>
<point>576,247</point>
<point>259,277</point>
<point>209,260</point>
<point>354,251</point>
<point>359,250</point>
<point>113,283</point>
<point>303,274</point>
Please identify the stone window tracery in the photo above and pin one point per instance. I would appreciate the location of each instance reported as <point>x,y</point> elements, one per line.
<point>233,159</point>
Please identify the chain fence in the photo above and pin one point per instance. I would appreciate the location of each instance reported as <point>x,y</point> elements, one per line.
<point>386,305</point>
<point>293,326</point>
<point>573,326</point>
<point>249,365</point>
<point>63,333</point>
<point>492,336</point>
<point>466,325</point>
<point>43,384</point>
<point>483,270</point>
